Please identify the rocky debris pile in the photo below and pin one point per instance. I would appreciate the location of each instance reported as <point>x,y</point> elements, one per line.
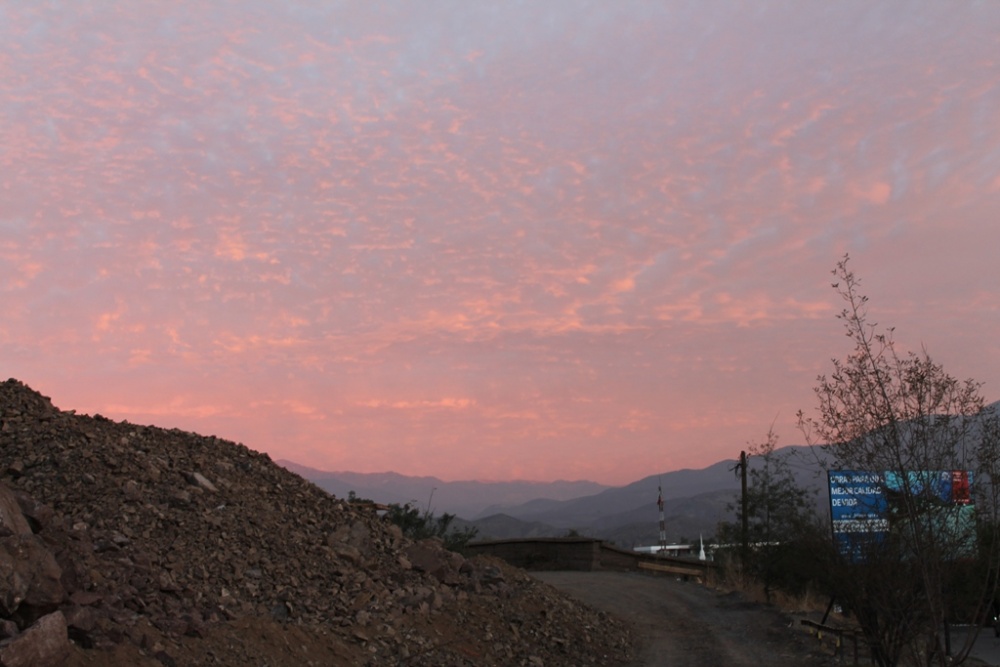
<point>151,536</point>
<point>33,629</point>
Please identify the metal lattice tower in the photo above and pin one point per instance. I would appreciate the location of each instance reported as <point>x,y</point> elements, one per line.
<point>663,523</point>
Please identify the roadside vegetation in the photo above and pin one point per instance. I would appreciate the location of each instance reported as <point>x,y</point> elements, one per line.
<point>926,560</point>
<point>773,542</point>
<point>419,524</point>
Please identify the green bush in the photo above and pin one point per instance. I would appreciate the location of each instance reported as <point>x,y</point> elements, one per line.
<point>419,525</point>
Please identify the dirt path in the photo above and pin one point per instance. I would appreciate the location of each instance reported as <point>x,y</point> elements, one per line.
<point>685,624</point>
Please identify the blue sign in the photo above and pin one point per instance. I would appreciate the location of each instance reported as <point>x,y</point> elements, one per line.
<point>858,508</point>
<point>864,506</point>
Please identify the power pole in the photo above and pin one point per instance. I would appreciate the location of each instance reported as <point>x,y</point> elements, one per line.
<point>745,533</point>
<point>663,524</point>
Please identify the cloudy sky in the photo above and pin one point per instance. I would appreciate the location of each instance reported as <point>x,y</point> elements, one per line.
<point>490,240</point>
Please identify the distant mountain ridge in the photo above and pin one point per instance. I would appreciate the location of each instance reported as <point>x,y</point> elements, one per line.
<point>695,501</point>
<point>463,498</point>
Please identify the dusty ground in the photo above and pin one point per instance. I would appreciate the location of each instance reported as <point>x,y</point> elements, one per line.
<point>686,624</point>
<point>677,624</point>
<point>252,643</point>
<point>425,639</point>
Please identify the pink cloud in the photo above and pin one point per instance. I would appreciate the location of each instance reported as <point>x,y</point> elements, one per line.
<point>421,241</point>
<point>876,193</point>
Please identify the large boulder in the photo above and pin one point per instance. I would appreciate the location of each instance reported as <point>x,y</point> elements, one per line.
<point>29,575</point>
<point>44,644</point>
<point>430,556</point>
<point>12,521</point>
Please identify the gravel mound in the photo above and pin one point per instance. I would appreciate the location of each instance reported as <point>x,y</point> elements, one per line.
<point>164,541</point>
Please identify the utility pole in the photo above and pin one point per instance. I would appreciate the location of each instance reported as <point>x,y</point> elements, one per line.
<point>745,532</point>
<point>430,500</point>
<point>663,523</point>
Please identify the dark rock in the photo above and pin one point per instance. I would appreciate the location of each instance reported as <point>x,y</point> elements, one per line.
<point>166,659</point>
<point>8,629</point>
<point>29,575</point>
<point>11,515</point>
<point>431,557</point>
<point>37,514</point>
<point>84,598</point>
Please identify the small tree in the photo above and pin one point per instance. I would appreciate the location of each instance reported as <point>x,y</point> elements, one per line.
<point>419,525</point>
<point>353,497</point>
<point>903,418</point>
<point>780,519</point>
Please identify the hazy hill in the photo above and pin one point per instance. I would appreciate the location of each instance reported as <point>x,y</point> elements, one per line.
<point>502,526</point>
<point>464,498</point>
<point>685,520</point>
<point>590,510</point>
<point>695,502</point>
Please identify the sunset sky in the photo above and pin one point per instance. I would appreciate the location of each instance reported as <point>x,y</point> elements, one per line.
<point>489,240</point>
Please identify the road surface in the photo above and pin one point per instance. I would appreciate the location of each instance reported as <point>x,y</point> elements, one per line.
<point>684,624</point>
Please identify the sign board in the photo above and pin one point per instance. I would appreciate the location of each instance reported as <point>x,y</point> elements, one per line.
<point>858,510</point>
<point>951,487</point>
<point>865,507</point>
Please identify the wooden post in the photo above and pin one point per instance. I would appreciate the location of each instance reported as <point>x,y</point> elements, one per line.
<point>745,536</point>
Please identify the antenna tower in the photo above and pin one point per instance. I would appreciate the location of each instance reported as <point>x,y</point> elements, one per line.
<point>663,523</point>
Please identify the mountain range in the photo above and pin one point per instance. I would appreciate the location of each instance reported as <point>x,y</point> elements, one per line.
<point>695,501</point>
<point>464,498</point>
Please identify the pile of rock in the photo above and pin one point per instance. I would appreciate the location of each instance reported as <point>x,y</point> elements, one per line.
<point>145,528</point>
<point>33,629</point>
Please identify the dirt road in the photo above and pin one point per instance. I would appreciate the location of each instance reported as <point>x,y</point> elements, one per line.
<point>685,624</point>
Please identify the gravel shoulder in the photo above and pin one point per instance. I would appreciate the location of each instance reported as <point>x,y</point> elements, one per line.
<point>684,624</point>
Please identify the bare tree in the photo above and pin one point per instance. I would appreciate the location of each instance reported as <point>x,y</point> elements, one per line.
<point>916,430</point>
<point>776,518</point>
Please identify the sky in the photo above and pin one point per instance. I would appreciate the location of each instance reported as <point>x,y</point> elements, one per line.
<point>489,240</point>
